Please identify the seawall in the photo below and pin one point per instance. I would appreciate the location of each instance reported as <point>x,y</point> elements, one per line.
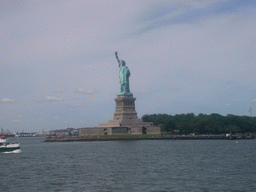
<point>148,137</point>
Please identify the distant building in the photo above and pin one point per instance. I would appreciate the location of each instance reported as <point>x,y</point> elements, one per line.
<point>64,132</point>
<point>26,134</point>
<point>42,133</point>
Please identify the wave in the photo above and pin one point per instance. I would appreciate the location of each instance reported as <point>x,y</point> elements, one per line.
<point>15,151</point>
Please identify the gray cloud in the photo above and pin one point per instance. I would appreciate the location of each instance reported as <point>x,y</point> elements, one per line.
<point>190,56</point>
<point>166,13</point>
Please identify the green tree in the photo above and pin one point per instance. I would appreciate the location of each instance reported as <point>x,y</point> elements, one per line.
<point>202,123</point>
<point>168,125</point>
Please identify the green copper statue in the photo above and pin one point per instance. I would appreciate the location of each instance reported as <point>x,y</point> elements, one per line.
<point>124,75</point>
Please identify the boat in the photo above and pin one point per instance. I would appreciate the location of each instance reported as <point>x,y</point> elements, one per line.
<point>8,147</point>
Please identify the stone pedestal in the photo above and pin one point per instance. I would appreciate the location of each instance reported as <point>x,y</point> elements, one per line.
<point>125,114</point>
<point>125,108</point>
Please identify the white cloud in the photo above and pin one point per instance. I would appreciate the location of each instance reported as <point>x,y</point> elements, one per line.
<point>49,98</point>
<point>16,121</point>
<point>59,90</point>
<point>83,91</point>
<point>74,105</point>
<point>6,100</point>
<point>254,100</point>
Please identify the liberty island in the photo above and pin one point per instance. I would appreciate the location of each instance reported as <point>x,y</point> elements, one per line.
<point>125,120</point>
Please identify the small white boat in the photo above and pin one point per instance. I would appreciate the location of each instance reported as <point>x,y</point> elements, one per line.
<point>8,147</point>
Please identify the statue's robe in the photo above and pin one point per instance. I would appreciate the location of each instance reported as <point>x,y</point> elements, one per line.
<point>124,75</point>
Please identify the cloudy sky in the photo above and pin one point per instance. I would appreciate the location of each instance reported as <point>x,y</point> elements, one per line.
<point>58,67</point>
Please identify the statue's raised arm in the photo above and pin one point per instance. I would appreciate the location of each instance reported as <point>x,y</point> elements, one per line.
<point>117,58</point>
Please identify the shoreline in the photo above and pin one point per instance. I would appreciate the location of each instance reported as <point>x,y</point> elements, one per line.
<point>148,137</point>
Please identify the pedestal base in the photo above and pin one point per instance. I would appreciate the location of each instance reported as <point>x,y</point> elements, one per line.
<point>125,114</point>
<point>126,121</point>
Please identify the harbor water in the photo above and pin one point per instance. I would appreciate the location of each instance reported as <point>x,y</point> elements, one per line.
<point>146,165</point>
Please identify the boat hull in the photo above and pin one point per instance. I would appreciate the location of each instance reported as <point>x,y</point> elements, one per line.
<point>9,147</point>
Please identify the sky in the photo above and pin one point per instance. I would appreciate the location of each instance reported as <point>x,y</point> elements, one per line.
<point>58,67</point>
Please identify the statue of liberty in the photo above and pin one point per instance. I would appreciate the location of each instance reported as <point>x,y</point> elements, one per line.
<point>124,74</point>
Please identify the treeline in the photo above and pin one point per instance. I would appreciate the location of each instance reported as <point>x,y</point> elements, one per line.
<point>202,124</point>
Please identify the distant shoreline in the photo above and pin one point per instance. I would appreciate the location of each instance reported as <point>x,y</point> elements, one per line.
<point>148,137</point>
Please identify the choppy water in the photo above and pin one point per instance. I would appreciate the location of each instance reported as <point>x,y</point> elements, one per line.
<point>160,165</point>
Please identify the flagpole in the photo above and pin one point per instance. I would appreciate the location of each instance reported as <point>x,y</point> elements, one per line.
<point>250,111</point>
